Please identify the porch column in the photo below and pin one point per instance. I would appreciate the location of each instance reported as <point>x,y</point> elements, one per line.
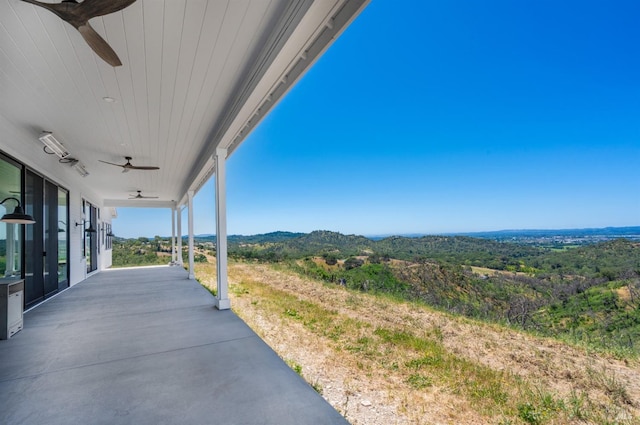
<point>192,272</point>
<point>222,298</point>
<point>179,250</point>
<point>10,250</point>
<point>173,235</point>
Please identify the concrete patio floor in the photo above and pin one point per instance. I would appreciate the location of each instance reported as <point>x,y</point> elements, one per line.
<point>146,346</point>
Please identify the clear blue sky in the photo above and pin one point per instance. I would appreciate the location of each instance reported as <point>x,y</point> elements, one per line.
<point>446,116</point>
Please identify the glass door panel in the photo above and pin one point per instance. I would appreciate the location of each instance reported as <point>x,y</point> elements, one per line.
<point>63,248</point>
<point>50,253</point>
<point>90,238</point>
<point>33,205</point>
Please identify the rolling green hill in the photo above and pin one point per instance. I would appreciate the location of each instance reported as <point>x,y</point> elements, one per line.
<point>574,294</point>
<point>588,294</point>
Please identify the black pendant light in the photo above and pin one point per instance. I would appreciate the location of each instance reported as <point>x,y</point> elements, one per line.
<point>89,229</point>
<point>18,216</point>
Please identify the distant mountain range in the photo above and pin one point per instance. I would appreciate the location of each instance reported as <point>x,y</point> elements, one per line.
<point>610,232</point>
<point>522,235</point>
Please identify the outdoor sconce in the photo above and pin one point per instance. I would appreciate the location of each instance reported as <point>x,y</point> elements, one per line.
<point>89,229</point>
<point>18,216</point>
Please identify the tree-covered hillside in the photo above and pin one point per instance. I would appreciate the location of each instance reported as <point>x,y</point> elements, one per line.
<point>589,294</point>
<point>144,251</point>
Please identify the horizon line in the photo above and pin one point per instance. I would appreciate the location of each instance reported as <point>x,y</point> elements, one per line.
<point>406,234</point>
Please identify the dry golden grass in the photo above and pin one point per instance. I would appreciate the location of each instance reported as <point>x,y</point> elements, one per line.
<point>379,361</point>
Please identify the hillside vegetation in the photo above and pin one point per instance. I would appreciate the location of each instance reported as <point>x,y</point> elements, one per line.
<point>588,295</point>
<point>440,329</point>
<point>378,360</point>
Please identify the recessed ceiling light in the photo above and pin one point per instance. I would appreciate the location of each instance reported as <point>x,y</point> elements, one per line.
<point>108,99</point>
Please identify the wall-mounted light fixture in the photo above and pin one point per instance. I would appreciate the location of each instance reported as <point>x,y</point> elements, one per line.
<point>18,216</point>
<point>53,144</point>
<point>89,229</point>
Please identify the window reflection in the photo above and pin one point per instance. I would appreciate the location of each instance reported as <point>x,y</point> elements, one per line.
<point>10,236</point>
<point>62,235</point>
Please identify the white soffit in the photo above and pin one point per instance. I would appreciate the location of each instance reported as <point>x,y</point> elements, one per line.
<point>196,75</point>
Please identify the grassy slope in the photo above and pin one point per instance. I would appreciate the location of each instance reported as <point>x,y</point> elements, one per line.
<point>382,361</point>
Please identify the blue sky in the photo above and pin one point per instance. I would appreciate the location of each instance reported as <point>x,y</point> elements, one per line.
<point>446,116</point>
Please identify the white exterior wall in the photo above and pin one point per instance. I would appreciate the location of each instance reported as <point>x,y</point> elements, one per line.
<point>106,217</point>
<point>77,262</point>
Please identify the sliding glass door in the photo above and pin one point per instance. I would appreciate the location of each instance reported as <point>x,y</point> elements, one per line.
<point>43,261</point>
<point>46,242</point>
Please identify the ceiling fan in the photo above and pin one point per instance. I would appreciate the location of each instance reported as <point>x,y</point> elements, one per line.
<point>128,166</point>
<point>78,14</point>
<point>141,196</point>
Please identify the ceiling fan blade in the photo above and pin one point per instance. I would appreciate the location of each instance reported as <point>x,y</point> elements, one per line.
<point>111,163</point>
<point>126,167</point>
<point>99,45</point>
<point>93,8</point>
<point>138,167</point>
<point>78,14</point>
<point>57,8</point>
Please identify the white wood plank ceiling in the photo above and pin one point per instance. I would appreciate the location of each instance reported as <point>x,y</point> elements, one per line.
<point>196,75</point>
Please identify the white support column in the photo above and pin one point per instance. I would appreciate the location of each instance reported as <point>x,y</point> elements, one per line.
<point>192,271</point>
<point>222,298</point>
<point>173,235</point>
<point>179,250</point>
<point>10,249</point>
